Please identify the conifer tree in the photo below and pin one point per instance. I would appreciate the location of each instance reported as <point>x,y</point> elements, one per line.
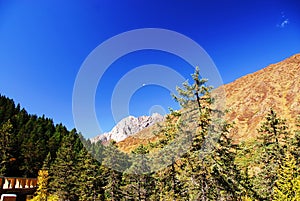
<point>113,163</point>
<point>43,191</point>
<point>89,182</point>
<point>97,150</point>
<point>63,171</point>
<point>5,146</point>
<point>168,184</point>
<point>295,144</point>
<point>274,134</point>
<point>138,178</point>
<point>209,169</point>
<point>194,100</point>
<point>47,162</point>
<point>287,185</point>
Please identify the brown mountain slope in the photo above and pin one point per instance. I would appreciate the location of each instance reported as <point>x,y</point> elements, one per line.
<point>249,98</point>
<point>143,137</point>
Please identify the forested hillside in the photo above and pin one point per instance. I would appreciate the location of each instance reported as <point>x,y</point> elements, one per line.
<point>194,157</point>
<point>26,140</point>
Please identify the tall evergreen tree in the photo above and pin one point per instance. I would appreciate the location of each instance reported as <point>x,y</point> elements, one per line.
<point>89,184</point>
<point>168,184</point>
<point>63,171</point>
<point>113,163</point>
<point>138,178</point>
<point>209,169</point>
<point>274,134</point>
<point>5,147</point>
<point>287,185</point>
<point>43,191</point>
<point>295,142</point>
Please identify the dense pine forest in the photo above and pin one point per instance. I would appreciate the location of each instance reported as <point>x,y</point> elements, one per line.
<point>213,167</point>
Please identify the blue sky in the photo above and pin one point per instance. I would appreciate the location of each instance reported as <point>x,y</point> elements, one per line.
<point>44,43</point>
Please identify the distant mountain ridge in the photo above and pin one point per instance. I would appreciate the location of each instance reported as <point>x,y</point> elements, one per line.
<point>128,127</point>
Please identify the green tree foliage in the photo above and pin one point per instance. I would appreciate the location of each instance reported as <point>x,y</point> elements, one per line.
<point>5,147</point>
<point>168,185</point>
<point>138,180</point>
<point>274,133</point>
<point>274,136</point>
<point>287,185</point>
<point>113,163</point>
<point>42,193</point>
<point>31,139</point>
<point>89,184</point>
<point>63,171</point>
<point>295,142</point>
<point>209,170</point>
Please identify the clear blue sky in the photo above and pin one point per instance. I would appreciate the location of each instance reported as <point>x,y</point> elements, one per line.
<point>44,43</point>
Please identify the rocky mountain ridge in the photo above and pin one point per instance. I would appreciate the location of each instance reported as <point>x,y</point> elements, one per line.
<point>128,127</point>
